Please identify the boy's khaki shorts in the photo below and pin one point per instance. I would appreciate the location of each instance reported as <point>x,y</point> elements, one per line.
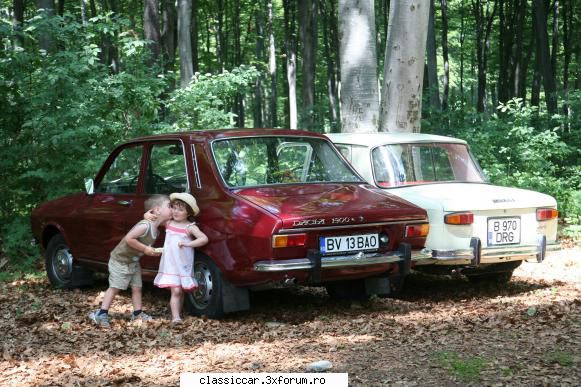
<point>123,275</point>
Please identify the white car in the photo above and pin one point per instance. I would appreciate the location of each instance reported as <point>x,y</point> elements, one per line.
<point>481,229</point>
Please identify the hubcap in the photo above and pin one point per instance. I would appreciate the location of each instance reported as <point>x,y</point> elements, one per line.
<point>202,296</point>
<point>62,264</point>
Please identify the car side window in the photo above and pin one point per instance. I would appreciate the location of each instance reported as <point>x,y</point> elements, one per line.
<point>166,170</point>
<point>123,172</point>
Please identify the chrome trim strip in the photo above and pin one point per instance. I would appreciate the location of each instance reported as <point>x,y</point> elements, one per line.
<point>196,169</point>
<point>420,255</point>
<point>349,226</point>
<point>333,262</point>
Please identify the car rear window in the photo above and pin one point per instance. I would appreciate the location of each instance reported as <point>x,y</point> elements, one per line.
<point>268,160</point>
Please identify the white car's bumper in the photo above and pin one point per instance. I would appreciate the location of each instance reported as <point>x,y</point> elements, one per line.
<point>476,254</point>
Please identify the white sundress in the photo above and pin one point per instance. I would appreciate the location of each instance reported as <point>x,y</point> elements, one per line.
<point>176,264</point>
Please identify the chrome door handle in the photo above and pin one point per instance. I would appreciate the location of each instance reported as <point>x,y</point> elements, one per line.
<point>125,203</point>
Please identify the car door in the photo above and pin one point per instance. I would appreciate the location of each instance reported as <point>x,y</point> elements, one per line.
<point>165,172</point>
<point>115,206</point>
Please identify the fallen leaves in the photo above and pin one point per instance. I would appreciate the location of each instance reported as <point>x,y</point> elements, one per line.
<point>527,332</point>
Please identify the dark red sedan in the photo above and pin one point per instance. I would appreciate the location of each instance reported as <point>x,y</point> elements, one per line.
<point>278,206</point>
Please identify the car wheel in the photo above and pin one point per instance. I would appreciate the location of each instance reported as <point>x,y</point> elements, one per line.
<point>206,300</point>
<point>59,262</point>
<point>347,290</point>
<point>499,273</point>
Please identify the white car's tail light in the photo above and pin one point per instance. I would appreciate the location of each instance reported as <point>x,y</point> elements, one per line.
<point>546,213</point>
<point>292,240</point>
<point>459,218</point>
<point>417,230</point>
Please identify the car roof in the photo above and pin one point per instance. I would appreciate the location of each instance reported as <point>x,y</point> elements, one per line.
<point>374,139</point>
<point>212,134</point>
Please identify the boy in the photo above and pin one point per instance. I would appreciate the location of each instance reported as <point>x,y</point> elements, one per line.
<point>124,268</point>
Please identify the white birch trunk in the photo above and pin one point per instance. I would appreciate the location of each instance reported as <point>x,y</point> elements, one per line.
<point>403,75</point>
<point>185,42</point>
<point>357,50</point>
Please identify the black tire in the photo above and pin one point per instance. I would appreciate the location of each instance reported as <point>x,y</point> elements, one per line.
<point>207,299</point>
<point>347,290</point>
<point>59,263</point>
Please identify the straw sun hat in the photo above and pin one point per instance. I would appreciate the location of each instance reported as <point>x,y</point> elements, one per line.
<point>188,199</point>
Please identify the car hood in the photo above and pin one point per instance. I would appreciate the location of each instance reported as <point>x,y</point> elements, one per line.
<point>471,196</point>
<point>318,205</point>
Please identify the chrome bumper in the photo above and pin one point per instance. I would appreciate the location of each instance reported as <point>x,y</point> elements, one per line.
<point>334,262</point>
<point>476,254</point>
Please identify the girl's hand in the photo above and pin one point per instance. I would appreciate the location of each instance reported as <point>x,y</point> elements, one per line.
<point>150,216</point>
<point>183,244</point>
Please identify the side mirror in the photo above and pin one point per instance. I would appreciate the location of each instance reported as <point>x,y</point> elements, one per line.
<point>89,186</point>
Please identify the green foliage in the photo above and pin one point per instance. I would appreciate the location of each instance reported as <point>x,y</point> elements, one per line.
<point>62,113</point>
<point>466,369</point>
<point>202,105</point>
<point>521,146</point>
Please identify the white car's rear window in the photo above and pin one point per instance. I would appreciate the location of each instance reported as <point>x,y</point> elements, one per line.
<point>405,164</point>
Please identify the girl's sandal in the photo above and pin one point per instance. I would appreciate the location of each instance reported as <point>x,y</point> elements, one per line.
<point>177,321</point>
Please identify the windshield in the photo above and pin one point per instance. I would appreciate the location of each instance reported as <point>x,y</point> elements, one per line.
<point>405,164</point>
<point>268,160</point>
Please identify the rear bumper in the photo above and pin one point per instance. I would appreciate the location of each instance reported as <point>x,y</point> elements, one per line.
<point>476,254</point>
<point>316,261</point>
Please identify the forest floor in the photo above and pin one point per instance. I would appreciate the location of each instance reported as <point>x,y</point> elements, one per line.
<point>441,331</point>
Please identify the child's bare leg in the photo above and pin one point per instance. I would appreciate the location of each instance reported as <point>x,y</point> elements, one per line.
<point>136,298</point>
<point>108,298</point>
<point>175,303</point>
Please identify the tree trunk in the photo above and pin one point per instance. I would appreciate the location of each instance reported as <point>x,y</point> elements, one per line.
<point>555,42</point>
<point>259,52</point>
<point>239,101</point>
<point>291,60</point>
<point>272,66</point>
<point>401,96</point>
<point>446,85</point>
<point>194,36</point>
<point>519,67</point>
<point>433,87</point>
<point>359,94</point>
<point>484,19</point>
<point>151,28</point>
<point>185,42</point>
<point>308,32</point>
<point>18,22</point>
<point>329,18</point>
<point>45,39</point>
<point>462,38</point>
<point>169,33</point>
<point>544,56</point>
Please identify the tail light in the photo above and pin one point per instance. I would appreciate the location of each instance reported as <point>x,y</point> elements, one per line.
<point>292,240</point>
<point>459,218</point>
<point>417,230</point>
<point>546,213</point>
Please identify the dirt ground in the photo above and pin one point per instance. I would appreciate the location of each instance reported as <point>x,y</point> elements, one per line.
<point>441,331</point>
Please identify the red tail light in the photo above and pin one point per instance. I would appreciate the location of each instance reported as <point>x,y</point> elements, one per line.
<point>417,230</point>
<point>546,213</point>
<point>459,218</point>
<point>292,240</point>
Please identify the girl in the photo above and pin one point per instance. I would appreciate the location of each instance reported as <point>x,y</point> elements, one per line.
<point>176,267</point>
